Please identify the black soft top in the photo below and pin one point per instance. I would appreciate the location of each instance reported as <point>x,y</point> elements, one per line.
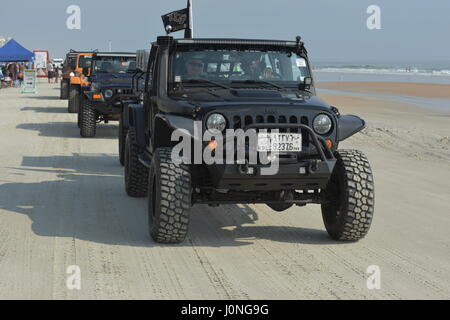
<point>115,54</point>
<point>217,43</point>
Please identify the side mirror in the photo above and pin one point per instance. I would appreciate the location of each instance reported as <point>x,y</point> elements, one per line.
<point>308,81</point>
<point>306,84</point>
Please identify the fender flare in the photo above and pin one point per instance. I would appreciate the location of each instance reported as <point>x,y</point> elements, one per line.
<point>348,125</point>
<point>135,117</point>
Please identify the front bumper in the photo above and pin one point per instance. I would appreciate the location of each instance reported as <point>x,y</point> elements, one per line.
<point>311,173</point>
<point>108,106</point>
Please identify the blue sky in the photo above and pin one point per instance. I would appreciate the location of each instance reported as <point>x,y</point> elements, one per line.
<point>334,30</point>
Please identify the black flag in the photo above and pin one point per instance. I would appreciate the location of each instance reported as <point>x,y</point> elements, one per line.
<point>177,20</point>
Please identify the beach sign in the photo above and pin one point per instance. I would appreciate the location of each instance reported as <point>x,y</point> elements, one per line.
<point>29,84</point>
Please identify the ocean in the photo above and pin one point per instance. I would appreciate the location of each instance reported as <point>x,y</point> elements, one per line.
<point>425,72</point>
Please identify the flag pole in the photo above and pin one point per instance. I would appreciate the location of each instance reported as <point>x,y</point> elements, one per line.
<point>189,32</point>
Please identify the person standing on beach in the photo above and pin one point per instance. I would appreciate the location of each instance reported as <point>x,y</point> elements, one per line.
<point>50,71</point>
<point>57,74</point>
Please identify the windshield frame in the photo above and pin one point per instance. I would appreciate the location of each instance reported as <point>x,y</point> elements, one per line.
<point>102,58</point>
<point>236,83</point>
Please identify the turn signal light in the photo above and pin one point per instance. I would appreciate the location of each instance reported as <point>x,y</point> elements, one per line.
<point>329,143</point>
<point>96,96</point>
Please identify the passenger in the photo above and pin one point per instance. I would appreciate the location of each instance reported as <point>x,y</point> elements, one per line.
<point>252,67</point>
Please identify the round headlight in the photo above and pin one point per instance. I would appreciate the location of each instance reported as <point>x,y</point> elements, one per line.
<point>108,93</point>
<point>322,124</point>
<point>217,122</point>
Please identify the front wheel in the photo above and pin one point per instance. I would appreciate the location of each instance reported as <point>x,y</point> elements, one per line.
<point>348,205</point>
<point>136,174</point>
<point>87,119</point>
<point>169,201</point>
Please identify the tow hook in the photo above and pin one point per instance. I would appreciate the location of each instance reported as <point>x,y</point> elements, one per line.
<point>313,166</point>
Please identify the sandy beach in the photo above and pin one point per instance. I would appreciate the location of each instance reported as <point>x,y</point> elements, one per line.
<point>62,203</point>
<point>425,90</point>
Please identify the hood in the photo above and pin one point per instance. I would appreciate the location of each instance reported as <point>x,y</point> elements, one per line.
<point>203,102</point>
<point>205,97</point>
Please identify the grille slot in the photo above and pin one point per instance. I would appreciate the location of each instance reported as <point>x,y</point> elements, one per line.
<point>240,122</point>
<point>123,91</point>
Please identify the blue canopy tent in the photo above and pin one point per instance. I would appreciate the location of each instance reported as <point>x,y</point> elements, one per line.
<point>14,52</point>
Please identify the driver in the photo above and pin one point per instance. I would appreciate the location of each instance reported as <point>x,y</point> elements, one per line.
<point>194,66</point>
<point>107,67</point>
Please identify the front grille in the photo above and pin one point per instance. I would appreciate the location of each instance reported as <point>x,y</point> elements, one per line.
<point>242,121</point>
<point>123,91</point>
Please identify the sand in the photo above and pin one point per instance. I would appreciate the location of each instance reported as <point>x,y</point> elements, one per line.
<point>427,90</point>
<point>62,203</point>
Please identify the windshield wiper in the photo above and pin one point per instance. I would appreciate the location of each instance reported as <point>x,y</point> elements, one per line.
<point>217,84</point>
<point>259,82</point>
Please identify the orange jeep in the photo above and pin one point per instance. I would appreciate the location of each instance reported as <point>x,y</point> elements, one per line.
<point>78,80</point>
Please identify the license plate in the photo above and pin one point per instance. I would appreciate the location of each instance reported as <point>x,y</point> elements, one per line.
<point>279,142</point>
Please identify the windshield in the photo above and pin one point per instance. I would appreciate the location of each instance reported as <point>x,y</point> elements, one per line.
<point>233,66</point>
<point>114,64</point>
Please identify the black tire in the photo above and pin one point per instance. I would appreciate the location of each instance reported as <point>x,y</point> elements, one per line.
<point>279,207</point>
<point>136,174</point>
<point>122,138</point>
<point>87,119</point>
<point>348,206</point>
<point>74,99</point>
<point>80,115</point>
<point>64,90</point>
<point>169,204</point>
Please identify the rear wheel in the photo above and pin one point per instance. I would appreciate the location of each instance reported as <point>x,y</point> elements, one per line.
<point>169,203</point>
<point>87,118</point>
<point>64,94</point>
<point>348,206</point>
<point>122,138</point>
<point>136,174</point>
<point>74,99</point>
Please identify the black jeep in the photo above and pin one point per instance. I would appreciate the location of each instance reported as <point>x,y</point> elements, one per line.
<point>137,89</point>
<point>110,80</point>
<point>68,68</point>
<point>224,86</point>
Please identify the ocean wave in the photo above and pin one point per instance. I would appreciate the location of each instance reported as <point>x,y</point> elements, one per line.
<point>381,70</point>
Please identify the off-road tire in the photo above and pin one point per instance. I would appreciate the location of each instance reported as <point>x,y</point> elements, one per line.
<point>348,205</point>
<point>136,174</point>
<point>122,138</point>
<point>64,94</point>
<point>87,119</point>
<point>74,99</point>
<point>169,203</point>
